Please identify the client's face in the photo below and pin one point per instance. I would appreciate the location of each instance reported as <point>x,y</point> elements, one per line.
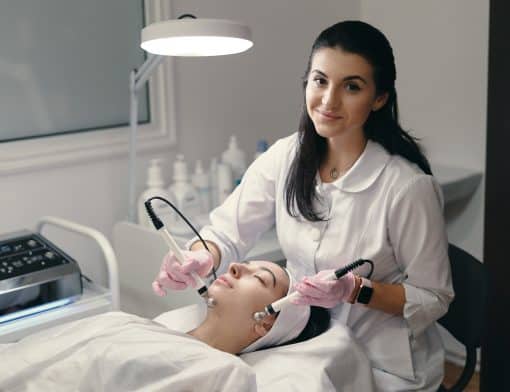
<point>247,288</point>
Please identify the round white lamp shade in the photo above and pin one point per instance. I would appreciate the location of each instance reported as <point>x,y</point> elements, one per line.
<point>196,37</point>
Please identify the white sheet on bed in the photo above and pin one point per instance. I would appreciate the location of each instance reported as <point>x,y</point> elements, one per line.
<point>333,361</point>
<point>119,352</point>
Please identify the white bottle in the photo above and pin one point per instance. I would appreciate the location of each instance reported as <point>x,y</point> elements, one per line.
<point>155,187</point>
<point>200,181</point>
<point>236,158</point>
<point>213,180</point>
<point>186,198</point>
<point>225,183</point>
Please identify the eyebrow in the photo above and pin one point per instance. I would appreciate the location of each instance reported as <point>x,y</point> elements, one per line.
<point>268,270</point>
<point>347,78</point>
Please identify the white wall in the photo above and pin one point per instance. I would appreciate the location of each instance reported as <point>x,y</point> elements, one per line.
<point>441,52</point>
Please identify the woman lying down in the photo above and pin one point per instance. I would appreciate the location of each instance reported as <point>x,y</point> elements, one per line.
<point>119,352</point>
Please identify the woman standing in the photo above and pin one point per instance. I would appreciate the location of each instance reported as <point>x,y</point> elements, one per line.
<point>350,184</point>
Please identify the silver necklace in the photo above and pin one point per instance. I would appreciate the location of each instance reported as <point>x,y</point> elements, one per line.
<point>333,173</point>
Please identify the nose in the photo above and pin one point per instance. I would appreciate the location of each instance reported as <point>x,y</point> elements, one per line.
<point>236,270</point>
<point>331,99</point>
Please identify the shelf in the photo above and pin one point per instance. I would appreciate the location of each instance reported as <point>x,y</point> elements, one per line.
<point>457,183</point>
<point>95,300</point>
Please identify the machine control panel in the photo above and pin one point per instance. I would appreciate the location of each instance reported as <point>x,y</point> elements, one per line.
<point>34,275</point>
<point>26,254</point>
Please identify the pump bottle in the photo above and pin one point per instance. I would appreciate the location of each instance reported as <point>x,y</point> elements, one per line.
<point>200,181</point>
<point>187,199</point>
<point>236,159</point>
<point>155,187</point>
<point>225,182</point>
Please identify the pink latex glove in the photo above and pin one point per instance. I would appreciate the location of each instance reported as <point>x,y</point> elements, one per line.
<point>317,291</point>
<point>175,276</point>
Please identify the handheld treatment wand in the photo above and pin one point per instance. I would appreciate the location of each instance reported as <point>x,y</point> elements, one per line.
<point>160,227</point>
<point>276,306</point>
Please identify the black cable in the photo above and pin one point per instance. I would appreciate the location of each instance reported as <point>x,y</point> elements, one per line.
<point>349,267</point>
<point>158,224</point>
<point>86,278</point>
<point>183,16</point>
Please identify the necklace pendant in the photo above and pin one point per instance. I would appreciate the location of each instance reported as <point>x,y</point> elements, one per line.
<point>333,173</point>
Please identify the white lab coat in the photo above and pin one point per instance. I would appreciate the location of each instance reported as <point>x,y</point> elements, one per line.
<point>384,209</point>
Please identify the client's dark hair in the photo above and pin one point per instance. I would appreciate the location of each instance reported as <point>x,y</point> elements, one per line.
<point>317,324</point>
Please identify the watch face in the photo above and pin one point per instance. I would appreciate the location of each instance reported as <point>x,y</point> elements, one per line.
<point>365,293</point>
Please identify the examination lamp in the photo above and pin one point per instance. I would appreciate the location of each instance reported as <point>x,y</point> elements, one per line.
<point>186,36</point>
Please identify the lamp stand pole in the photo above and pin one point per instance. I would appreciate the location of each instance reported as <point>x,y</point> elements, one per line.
<point>137,80</point>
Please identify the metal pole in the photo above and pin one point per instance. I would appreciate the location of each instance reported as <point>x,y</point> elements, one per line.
<point>133,122</point>
<point>136,81</point>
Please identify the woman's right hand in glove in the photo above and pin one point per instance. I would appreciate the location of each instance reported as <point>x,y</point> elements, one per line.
<point>173,275</point>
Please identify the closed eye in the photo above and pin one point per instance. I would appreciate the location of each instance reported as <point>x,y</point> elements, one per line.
<point>261,280</point>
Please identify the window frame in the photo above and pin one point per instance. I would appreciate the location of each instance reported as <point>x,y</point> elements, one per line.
<point>64,149</point>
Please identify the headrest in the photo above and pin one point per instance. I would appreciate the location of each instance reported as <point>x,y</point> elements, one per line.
<point>288,324</point>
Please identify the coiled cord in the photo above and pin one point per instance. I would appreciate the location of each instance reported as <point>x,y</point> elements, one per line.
<point>355,264</point>
<point>158,224</point>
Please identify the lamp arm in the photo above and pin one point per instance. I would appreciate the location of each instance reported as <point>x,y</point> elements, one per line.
<point>145,70</point>
<point>137,80</point>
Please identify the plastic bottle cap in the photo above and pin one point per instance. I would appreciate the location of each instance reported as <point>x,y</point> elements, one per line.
<point>233,142</point>
<point>180,169</point>
<point>154,174</point>
<point>262,145</point>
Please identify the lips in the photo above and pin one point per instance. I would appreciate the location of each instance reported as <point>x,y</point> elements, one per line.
<point>224,280</point>
<point>329,115</point>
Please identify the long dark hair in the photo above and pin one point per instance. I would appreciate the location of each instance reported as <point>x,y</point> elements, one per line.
<point>382,126</point>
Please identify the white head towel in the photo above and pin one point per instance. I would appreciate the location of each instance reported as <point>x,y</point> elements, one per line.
<point>290,322</point>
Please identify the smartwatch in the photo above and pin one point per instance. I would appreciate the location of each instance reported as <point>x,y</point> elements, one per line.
<point>365,291</point>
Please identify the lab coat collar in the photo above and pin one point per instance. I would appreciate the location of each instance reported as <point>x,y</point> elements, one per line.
<point>365,170</point>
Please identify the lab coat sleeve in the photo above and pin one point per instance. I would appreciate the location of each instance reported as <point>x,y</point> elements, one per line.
<point>418,236</point>
<point>249,210</point>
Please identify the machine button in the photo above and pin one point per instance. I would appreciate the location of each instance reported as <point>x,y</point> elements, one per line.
<point>32,243</point>
<point>5,249</point>
<point>49,255</point>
